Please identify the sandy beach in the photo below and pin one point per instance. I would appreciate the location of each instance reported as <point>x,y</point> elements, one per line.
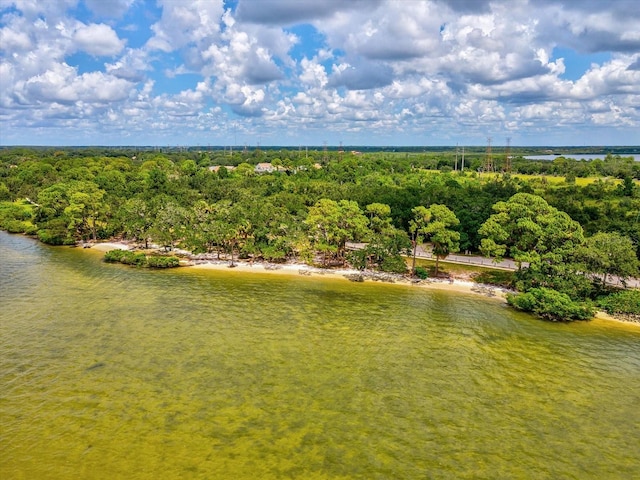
<point>106,246</point>
<point>241,266</point>
<point>356,276</point>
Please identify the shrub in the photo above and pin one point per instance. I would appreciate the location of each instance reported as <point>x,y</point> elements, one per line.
<point>29,228</point>
<point>114,256</point>
<point>551,305</point>
<point>394,264</point>
<point>16,218</point>
<point>625,302</point>
<point>51,237</point>
<point>126,256</point>
<point>18,226</point>
<point>553,277</point>
<point>5,194</point>
<point>359,259</point>
<point>163,262</point>
<point>422,273</point>
<point>130,258</point>
<point>55,232</point>
<point>273,254</point>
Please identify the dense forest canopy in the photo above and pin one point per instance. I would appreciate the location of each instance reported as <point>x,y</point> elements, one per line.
<point>277,204</point>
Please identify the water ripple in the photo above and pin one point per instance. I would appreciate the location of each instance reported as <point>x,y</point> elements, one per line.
<point>110,371</point>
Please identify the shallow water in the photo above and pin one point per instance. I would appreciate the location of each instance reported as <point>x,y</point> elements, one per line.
<point>114,372</point>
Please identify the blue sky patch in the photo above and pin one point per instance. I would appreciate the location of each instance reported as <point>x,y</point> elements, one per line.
<point>577,64</point>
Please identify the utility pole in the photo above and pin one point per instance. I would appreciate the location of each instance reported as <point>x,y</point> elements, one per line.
<point>456,164</point>
<point>507,159</point>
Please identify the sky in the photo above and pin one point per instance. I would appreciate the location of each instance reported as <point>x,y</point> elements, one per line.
<point>310,72</point>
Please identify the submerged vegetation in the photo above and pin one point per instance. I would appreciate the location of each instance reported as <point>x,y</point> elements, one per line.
<point>568,236</point>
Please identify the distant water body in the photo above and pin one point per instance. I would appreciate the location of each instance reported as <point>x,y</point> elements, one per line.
<point>577,156</point>
<point>113,372</point>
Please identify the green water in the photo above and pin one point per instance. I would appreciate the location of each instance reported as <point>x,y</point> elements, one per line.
<point>115,372</point>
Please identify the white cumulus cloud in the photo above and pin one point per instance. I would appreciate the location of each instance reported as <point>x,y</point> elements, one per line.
<point>98,39</point>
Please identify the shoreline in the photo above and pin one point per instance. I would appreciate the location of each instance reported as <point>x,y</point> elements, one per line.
<point>487,291</point>
<point>355,276</point>
<point>302,269</point>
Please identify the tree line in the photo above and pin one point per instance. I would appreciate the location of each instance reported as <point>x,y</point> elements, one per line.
<point>310,206</point>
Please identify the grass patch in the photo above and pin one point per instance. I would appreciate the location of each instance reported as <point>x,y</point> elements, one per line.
<point>455,269</point>
<point>500,278</point>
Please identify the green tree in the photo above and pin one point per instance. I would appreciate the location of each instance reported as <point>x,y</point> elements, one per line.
<point>228,228</point>
<point>421,218</point>
<point>156,182</point>
<point>379,217</point>
<point>386,243</point>
<point>433,225</point>
<point>332,224</point>
<point>136,219</point>
<point>609,253</point>
<point>528,229</point>
<point>439,232</point>
<point>200,237</point>
<point>52,201</point>
<point>245,170</point>
<point>85,209</point>
<point>170,224</point>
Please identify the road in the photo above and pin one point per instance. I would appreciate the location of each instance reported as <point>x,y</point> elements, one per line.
<point>423,251</point>
<point>477,260</point>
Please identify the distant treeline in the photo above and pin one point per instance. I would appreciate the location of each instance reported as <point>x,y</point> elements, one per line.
<point>474,159</point>
<point>497,149</point>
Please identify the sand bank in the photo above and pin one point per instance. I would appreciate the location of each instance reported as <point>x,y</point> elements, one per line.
<point>106,246</point>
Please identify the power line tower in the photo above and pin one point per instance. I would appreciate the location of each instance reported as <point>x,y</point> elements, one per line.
<point>325,155</point>
<point>455,168</point>
<point>340,151</point>
<point>507,156</point>
<point>488,162</point>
